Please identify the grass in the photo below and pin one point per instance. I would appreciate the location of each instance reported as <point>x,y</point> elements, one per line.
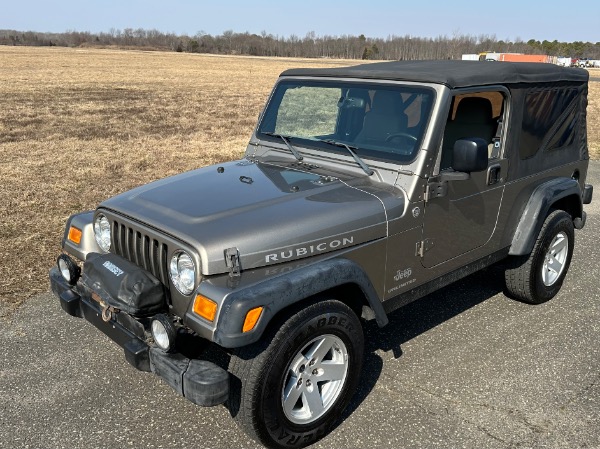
<point>593,115</point>
<point>308,112</point>
<point>80,125</point>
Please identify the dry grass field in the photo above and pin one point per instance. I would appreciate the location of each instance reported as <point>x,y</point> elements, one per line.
<point>593,115</point>
<point>80,125</point>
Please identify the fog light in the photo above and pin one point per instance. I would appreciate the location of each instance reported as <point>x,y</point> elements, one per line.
<point>68,269</point>
<point>163,332</point>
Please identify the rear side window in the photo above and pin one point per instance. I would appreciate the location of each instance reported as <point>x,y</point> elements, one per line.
<point>565,133</point>
<point>549,120</point>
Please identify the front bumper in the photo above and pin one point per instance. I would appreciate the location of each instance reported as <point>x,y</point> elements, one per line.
<point>200,381</point>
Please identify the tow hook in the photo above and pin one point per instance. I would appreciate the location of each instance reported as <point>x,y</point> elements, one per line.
<point>108,311</point>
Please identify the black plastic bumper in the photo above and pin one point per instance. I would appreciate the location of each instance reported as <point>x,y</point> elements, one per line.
<point>588,192</point>
<point>200,381</point>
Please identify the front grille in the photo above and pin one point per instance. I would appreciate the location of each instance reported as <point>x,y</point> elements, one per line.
<point>141,249</point>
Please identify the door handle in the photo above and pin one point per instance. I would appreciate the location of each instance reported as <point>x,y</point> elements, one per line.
<point>493,174</point>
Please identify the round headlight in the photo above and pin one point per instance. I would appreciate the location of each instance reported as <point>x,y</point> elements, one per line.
<point>102,232</point>
<point>183,272</point>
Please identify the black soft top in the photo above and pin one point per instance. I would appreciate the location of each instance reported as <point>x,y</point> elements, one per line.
<point>453,74</point>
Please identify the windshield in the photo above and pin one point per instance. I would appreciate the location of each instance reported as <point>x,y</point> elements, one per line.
<point>379,121</point>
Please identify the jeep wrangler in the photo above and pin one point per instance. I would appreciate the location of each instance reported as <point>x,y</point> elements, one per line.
<point>362,189</point>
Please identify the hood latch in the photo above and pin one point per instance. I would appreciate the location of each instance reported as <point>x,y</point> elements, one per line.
<point>232,261</point>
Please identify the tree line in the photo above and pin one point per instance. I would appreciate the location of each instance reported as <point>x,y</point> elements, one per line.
<point>394,47</point>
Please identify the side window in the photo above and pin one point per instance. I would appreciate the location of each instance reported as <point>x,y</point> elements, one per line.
<point>547,114</point>
<point>474,115</point>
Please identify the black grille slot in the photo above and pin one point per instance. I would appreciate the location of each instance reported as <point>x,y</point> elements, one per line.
<point>141,249</point>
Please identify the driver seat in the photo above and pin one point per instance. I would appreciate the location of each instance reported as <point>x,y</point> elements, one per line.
<point>383,119</point>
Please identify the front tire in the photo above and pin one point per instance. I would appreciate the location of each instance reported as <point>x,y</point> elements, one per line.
<point>538,277</point>
<point>296,382</point>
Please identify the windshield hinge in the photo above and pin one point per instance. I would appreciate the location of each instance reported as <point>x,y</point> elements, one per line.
<point>423,246</point>
<point>437,186</point>
<point>232,260</point>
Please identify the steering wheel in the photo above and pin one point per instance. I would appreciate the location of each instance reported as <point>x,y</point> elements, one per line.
<point>393,136</point>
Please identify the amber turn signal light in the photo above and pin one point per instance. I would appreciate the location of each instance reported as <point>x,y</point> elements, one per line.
<point>205,307</point>
<point>75,235</point>
<point>251,319</point>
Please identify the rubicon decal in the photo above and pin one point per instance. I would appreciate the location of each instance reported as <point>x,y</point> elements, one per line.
<point>301,251</point>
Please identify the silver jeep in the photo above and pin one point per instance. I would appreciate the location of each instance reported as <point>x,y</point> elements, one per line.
<point>362,189</point>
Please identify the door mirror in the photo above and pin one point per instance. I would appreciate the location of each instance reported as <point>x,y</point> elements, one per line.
<point>470,155</point>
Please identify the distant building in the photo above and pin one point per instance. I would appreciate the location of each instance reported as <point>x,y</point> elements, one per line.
<point>515,57</point>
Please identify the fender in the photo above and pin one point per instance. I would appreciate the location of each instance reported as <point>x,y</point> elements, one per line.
<point>282,291</point>
<point>83,221</point>
<point>536,210</point>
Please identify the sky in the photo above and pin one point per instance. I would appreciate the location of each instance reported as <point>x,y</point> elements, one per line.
<point>565,21</point>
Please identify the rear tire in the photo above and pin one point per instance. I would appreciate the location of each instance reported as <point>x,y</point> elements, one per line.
<point>537,277</point>
<point>293,385</point>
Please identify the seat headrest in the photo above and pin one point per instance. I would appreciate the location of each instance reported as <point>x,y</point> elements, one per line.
<point>386,102</point>
<point>474,110</point>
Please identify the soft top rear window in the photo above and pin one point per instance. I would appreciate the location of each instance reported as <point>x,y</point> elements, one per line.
<point>545,111</point>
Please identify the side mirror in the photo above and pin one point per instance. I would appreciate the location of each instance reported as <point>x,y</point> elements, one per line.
<point>470,155</point>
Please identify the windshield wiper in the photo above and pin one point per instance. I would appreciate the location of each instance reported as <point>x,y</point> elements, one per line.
<point>294,151</point>
<point>350,149</point>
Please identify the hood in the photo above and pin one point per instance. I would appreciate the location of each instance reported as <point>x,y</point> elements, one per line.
<point>270,213</point>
